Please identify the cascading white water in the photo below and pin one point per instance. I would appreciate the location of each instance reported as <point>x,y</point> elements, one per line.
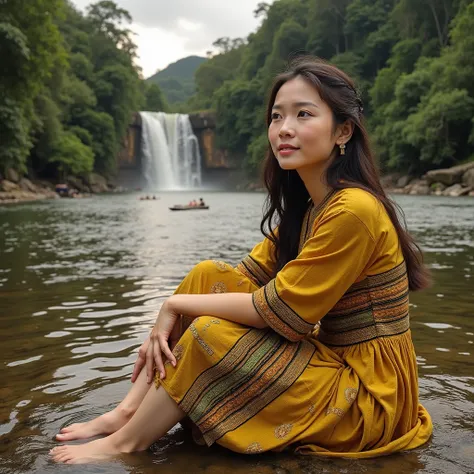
<point>170,151</point>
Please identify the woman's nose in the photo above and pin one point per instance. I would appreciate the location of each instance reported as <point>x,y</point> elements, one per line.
<point>286,129</point>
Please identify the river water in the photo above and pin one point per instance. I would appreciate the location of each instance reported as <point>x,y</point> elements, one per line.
<point>81,282</point>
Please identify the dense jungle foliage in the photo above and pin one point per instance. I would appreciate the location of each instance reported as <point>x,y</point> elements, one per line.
<point>413,61</point>
<point>69,82</point>
<point>68,86</point>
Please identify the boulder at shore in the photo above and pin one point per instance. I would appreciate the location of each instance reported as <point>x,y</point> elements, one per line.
<point>454,182</point>
<point>448,176</point>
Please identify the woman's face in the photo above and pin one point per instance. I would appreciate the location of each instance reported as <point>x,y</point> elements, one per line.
<point>301,132</point>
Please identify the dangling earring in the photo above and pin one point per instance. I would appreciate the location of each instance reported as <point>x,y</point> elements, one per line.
<point>343,149</point>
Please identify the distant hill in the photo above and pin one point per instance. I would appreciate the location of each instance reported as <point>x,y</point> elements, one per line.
<point>177,80</point>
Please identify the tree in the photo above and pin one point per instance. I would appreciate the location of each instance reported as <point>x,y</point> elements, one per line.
<point>30,45</point>
<point>154,99</point>
<point>261,10</point>
<point>107,18</point>
<point>72,156</point>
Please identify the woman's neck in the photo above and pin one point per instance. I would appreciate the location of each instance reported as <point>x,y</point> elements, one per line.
<point>314,180</point>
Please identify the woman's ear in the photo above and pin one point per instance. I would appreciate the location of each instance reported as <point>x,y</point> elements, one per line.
<point>344,132</point>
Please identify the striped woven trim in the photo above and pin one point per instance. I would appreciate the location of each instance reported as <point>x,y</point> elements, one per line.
<point>256,370</point>
<point>278,315</point>
<point>375,307</point>
<point>311,214</point>
<point>253,271</point>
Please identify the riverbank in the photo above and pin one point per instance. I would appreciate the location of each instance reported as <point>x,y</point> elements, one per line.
<point>455,182</point>
<point>15,188</point>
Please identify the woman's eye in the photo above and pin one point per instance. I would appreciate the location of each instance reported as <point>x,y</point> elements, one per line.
<point>303,113</point>
<point>275,116</point>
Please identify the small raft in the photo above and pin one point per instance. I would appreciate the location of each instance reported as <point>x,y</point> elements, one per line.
<point>188,208</point>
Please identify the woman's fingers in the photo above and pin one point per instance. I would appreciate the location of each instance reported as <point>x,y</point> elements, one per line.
<point>159,360</point>
<point>149,361</point>
<point>140,362</point>
<point>137,368</point>
<point>166,350</point>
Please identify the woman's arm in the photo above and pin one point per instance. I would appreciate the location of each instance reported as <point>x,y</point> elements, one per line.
<point>236,307</point>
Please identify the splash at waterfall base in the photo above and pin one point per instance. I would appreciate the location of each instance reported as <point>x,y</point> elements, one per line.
<point>171,159</point>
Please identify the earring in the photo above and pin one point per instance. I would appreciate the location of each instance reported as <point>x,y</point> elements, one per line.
<point>342,148</point>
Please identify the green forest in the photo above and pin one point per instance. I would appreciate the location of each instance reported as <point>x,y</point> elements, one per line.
<point>413,61</point>
<point>71,84</point>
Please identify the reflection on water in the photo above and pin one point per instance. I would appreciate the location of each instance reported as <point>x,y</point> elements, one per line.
<point>81,282</point>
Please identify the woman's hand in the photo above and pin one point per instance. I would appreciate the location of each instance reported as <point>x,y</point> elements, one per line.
<point>141,359</point>
<point>164,334</point>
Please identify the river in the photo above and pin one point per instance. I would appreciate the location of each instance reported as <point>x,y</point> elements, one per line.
<point>81,282</point>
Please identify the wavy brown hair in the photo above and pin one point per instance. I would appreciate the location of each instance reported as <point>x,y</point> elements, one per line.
<point>287,199</point>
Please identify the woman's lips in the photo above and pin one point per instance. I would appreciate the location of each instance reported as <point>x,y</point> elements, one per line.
<point>287,151</point>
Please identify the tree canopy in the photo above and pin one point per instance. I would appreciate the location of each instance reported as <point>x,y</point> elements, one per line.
<point>71,88</point>
<point>71,84</point>
<point>411,59</point>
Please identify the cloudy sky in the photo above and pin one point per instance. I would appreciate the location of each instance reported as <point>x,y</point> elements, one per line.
<point>168,30</point>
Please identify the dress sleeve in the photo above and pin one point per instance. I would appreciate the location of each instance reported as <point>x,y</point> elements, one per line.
<point>259,264</point>
<point>306,288</point>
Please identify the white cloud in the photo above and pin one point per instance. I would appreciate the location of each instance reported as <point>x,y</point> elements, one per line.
<point>167,31</point>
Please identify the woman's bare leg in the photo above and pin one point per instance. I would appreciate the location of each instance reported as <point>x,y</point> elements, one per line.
<point>157,414</point>
<point>113,420</point>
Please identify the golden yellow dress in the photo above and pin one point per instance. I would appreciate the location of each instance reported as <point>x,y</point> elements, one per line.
<point>335,372</point>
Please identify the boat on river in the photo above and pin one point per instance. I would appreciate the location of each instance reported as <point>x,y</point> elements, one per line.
<point>179,207</point>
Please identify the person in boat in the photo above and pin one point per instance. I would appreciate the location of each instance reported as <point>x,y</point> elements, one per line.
<point>306,344</point>
<point>193,203</point>
<point>62,189</point>
<point>201,202</point>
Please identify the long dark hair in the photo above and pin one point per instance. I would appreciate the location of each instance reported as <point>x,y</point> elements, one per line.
<point>288,198</point>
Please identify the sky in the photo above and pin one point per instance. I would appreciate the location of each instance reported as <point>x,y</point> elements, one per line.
<point>168,30</point>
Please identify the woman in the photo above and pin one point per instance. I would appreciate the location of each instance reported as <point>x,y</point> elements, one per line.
<point>307,345</point>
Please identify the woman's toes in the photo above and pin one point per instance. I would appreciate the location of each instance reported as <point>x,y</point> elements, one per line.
<point>62,456</point>
<point>58,449</point>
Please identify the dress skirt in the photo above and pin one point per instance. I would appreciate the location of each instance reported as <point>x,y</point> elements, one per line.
<point>251,390</point>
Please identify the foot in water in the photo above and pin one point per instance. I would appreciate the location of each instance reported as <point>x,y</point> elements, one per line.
<point>105,424</point>
<point>98,450</point>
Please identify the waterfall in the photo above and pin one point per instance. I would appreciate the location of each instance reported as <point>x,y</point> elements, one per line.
<point>170,152</point>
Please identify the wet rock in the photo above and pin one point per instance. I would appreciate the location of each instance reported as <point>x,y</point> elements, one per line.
<point>418,187</point>
<point>27,185</point>
<point>468,178</point>
<point>45,184</point>
<point>97,183</point>
<point>448,176</point>
<point>12,175</point>
<point>390,180</point>
<point>456,190</point>
<point>437,189</point>
<point>78,184</point>
<point>404,181</point>
<point>8,186</point>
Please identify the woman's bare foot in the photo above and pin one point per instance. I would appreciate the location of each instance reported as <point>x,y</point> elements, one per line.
<point>98,450</point>
<point>105,424</point>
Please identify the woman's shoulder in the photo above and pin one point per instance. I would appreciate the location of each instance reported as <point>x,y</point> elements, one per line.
<point>359,204</point>
<point>357,201</point>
